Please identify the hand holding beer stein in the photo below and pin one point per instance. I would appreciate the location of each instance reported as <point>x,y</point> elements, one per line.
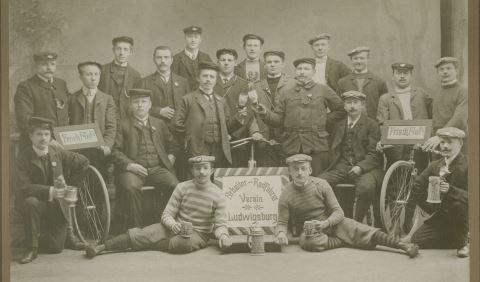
<point>224,241</point>
<point>444,187</point>
<point>321,225</point>
<point>59,186</point>
<point>176,227</point>
<point>253,97</point>
<point>281,239</point>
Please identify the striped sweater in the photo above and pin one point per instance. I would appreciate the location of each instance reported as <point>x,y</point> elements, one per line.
<point>315,200</point>
<point>204,207</point>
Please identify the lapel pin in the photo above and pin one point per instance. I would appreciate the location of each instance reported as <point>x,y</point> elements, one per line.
<point>175,83</point>
<point>54,163</point>
<point>153,128</point>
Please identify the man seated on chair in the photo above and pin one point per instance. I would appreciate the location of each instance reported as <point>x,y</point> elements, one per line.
<point>308,198</point>
<point>448,226</point>
<point>355,159</point>
<point>197,201</point>
<point>143,154</point>
<point>40,196</point>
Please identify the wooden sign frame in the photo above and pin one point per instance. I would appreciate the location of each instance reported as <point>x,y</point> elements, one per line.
<point>406,127</point>
<point>91,137</point>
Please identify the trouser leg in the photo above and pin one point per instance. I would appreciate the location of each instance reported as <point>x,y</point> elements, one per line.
<point>180,245</point>
<point>130,195</point>
<point>164,182</point>
<point>154,236</point>
<point>383,239</point>
<point>458,223</point>
<point>430,236</point>
<point>365,193</point>
<point>319,242</point>
<point>33,209</point>
<point>320,162</point>
<point>345,197</point>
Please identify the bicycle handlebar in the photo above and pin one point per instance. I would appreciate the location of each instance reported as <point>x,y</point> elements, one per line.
<point>240,142</point>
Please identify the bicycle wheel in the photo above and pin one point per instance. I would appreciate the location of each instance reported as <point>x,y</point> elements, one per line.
<point>92,211</point>
<point>397,185</point>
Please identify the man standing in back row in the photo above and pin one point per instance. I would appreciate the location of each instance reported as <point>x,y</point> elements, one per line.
<point>252,68</point>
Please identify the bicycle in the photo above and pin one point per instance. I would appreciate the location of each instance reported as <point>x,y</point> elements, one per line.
<point>252,162</point>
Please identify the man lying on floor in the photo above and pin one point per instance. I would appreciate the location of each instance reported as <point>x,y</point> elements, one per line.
<point>197,201</point>
<point>308,198</point>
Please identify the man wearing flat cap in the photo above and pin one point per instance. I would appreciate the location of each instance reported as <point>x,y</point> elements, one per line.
<point>185,63</point>
<point>450,105</point>
<point>308,198</point>
<point>355,159</point>
<point>448,225</point>
<point>42,95</point>
<point>203,118</point>
<point>90,105</point>
<point>41,170</point>
<point>328,70</point>
<point>363,80</point>
<point>302,112</point>
<point>252,68</point>
<point>198,202</point>
<point>405,102</point>
<point>119,76</point>
<point>143,154</point>
<point>230,86</point>
<point>268,90</point>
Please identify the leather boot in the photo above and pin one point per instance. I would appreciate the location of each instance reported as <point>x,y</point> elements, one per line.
<point>410,248</point>
<point>72,241</point>
<point>93,250</point>
<point>29,255</point>
<point>463,252</point>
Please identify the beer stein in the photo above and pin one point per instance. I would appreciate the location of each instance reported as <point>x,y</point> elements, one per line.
<point>310,229</point>
<point>256,242</point>
<point>253,96</point>
<point>187,229</point>
<point>71,195</point>
<point>434,190</point>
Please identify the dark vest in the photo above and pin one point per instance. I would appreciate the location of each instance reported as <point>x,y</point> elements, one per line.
<point>147,155</point>
<point>89,111</point>
<point>212,133</point>
<point>347,147</point>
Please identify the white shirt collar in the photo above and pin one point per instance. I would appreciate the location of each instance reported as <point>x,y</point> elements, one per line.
<point>120,64</point>
<point>193,55</point>
<point>227,77</point>
<point>349,121</point>
<point>45,79</point>
<point>321,60</point>
<point>40,152</point>
<point>363,71</point>
<point>451,82</point>
<point>165,77</point>
<point>209,92</point>
<point>274,76</point>
<point>256,60</point>
<point>143,121</point>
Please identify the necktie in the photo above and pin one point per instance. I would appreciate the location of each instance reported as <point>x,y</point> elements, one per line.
<point>225,80</point>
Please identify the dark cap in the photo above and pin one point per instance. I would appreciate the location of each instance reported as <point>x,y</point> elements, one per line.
<point>227,51</point>
<point>451,132</point>
<point>276,53</point>
<point>446,60</point>
<point>126,39</point>
<point>310,61</point>
<point>206,65</point>
<point>298,158</point>
<point>358,50</point>
<point>192,29</point>
<point>252,36</point>
<point>318,37</point>
<point>44,56</point>
<point>201,159</point>
<point>139,93</point>
<point>352,94</point>
<point>402,66</point>
<point>40,122</point>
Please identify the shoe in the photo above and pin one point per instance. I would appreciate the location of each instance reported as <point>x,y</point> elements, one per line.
<point>29,255</point>
<point>93,250</point>
<point>463,252</point>
<point>410,248</point>
<point>72,241</point>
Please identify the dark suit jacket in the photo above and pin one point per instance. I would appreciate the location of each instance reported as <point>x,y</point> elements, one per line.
<point>334,70</point>
<point>366,136</point>
<point>190,119</point>
<point>105,113</point>
<point>108,84</point>
<point>373,87</point>
<point>160,100</point>
<point>241,70</point>
<point>35,97</point>
<point>265,98</point>
<point>182,67</point>
<point>458,180</point>
<point>32,178</point>
<point>127,142</point>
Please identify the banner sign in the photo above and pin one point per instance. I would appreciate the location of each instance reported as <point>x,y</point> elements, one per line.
<point>79,136</point>
<point>396,132</point>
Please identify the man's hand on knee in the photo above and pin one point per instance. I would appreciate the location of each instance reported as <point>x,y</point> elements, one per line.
<point>137,169</point>
<point>281,239</point>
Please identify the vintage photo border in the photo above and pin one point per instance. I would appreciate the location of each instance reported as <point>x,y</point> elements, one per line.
<point>473,156</point>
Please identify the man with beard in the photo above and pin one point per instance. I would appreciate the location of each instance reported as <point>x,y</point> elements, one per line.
<point>363,80</point>
<point>119,76</point>
<point>42,95</point>
<point>355,159</point>
<point>327,70</point>
<point>302,111</point>
<point>186,62</point>
<point>197,201</point>
<point>307,198</point>
<point>268,90</point>
<point>448,226</point>
<point>252,68</point>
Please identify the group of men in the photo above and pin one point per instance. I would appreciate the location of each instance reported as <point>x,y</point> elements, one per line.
<point>186,113</point>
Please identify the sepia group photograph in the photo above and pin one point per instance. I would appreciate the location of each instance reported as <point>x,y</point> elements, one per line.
<point>253,140</point>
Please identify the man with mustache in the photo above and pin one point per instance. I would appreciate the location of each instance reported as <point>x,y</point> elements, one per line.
<point>197,201</point>
<point>327,70</point>
<point>185,63</point>
<point>405,102</point>
<point>119,76</point>
<point>252,68</point>
<point>355,159</point>
<point>363,80</point>
<point>203,118</point>
<point>40,197</point>
<point>302,112</point>
<point>42,95</point>
<point>448,226</point>
<point>450,105</point>
<point>308,198</point>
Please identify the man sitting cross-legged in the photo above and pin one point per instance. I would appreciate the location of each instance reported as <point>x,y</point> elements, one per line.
<point>308,198</point>
<point>197,201</point>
